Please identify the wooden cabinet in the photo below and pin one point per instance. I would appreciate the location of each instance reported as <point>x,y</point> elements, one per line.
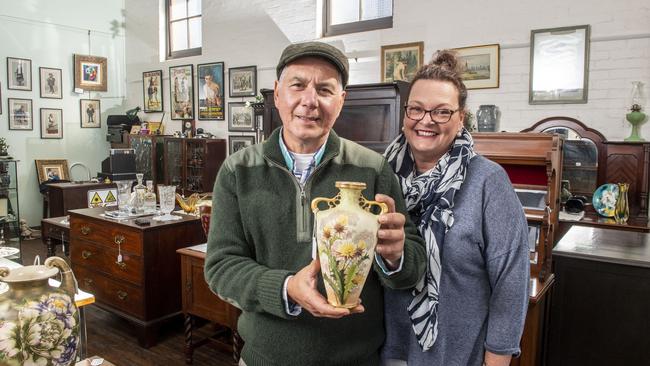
<point>144,287</point>
<point>63,197</point>
<point>199,301</point>
<point>617,162</point>
<point>533,162</point>
<point>372,113</point>
<point>599,313</point>
<point>149,156</point>
<point>192,164</point>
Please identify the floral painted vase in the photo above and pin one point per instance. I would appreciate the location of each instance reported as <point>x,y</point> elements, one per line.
<point>39,324</point>
<point>346,234</point>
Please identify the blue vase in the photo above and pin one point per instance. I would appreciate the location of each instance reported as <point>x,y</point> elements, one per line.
<point>486,118</point>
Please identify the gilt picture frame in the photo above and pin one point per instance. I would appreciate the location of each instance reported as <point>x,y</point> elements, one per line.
<point>480,66</point>
<point>401,61</point>
<point>90,73</point>
<point>52,169</point>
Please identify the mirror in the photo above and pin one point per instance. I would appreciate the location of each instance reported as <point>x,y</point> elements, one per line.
<point>580,165</point>
<point>559,60</point>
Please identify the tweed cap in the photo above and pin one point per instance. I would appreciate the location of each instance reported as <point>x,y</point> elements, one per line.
<point>315,49</point>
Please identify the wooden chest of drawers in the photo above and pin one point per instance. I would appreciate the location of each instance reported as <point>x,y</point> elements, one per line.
<point>145,287</point>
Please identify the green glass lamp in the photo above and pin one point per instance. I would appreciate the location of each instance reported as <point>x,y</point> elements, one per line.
<point>636,117</point>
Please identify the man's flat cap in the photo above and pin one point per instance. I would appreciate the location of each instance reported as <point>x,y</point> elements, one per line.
<point>315,49</point>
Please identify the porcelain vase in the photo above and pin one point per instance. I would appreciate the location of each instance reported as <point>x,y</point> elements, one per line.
<point>39,324</point>
<point>346,234</point>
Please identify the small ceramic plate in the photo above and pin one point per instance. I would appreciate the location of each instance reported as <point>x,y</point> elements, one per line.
<point>8,251</point>
<point>604,199</point>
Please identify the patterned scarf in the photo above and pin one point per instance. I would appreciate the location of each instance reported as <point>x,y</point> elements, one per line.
<point>430,199</point>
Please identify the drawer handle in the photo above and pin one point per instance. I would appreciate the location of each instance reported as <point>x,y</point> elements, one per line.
<point>88,282</point>
<point>86,254</point>
<point>85,230</point>
<point>122,265</point>
<point>119,239</point>
<point>122,294</point>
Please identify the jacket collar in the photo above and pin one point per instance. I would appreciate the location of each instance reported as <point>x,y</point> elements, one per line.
<point>272,151</point>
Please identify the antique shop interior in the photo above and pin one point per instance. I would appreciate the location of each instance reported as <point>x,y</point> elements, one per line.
<point>115,117</point>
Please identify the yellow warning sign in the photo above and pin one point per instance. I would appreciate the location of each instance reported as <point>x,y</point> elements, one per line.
<point>96,200</point>
<point>110,197</point>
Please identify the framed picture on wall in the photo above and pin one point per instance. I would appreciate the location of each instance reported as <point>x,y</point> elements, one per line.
<point>211,90</point>
<point>480,66</point>
<point>401,61</point>
<point>152,91</point>
<point>20,114</point>
<point>181,90</point>
<point>50,83</point>
<point>52,170</point>
<point>90,73</point>
<point>51,123</point>
<point>240,117</point>
<point>90,112</point>
<point>236,143</point>
<point>19,73</point>
<point>242,81</point>
<point>559,65</point>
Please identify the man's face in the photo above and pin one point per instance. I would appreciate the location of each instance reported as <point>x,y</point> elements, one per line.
<point>208,78</point>
<point>309,98</point>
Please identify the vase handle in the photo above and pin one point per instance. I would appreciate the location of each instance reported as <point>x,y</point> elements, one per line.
<point>331,202</point>
<point>4,272</point>
<point>68,281</point>
<point>367,205</point>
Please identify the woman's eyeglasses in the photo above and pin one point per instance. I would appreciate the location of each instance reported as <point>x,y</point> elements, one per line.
<point>437,115</point>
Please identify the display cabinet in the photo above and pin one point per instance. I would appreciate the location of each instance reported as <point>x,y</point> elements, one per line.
<point>192,164</point>
<point>149,156</point>
<point>372,113</point>
<point>533,162</point>
<point>9,214</point>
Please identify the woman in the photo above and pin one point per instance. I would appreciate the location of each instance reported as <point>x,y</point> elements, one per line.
<point>470,306</point>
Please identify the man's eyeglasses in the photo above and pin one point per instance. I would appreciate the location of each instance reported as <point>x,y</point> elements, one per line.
<point>437,115</point>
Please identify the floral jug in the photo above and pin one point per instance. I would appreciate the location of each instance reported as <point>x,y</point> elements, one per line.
<point>346,234</point>
<point>486,118</point>
<point>39,324</point>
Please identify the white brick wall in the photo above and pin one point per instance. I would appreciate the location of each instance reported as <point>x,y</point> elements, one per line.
<point>254,32</point>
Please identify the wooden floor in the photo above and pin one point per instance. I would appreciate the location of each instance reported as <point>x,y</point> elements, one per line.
<point>113,338</point>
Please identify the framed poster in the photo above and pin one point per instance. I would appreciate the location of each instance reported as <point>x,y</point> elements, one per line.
<point>401,61</point>
<point>19,73</point>
<point>242,81</point>
<point>50,83</point>
<point>559,65</point>
<point>240,117</point>
<point>236,143</point>
<point>51,123</point>
<point>152,91</point>
<point>480,66</point>
<point>181,90</point>
<point>90,72</point>
<point>211,90</point>
<point>90,112</point>
<point>20,114</point>
<point>52,170</point>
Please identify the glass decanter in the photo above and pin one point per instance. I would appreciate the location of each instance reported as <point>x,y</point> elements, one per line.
<point>150,199</point>
<point>140,190</point>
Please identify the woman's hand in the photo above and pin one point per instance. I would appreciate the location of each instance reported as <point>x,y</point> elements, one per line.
<point>390,245</point>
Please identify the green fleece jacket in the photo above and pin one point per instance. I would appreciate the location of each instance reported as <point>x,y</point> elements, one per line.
<point>261,232</point>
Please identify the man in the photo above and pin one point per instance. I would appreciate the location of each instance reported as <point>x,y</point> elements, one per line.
<point>90,111</point>
<point>50,83</point>
<point>259,253</point>
<point>212,91</point>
